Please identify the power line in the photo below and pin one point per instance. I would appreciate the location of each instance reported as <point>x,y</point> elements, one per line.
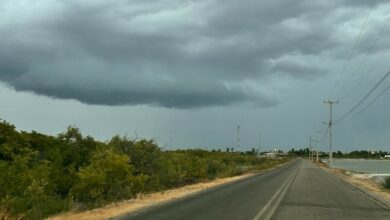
<point>363,99</point>
<point>384,52</point>
<point>353,48</point>
<point>368,105</point>
<point>364,59</point>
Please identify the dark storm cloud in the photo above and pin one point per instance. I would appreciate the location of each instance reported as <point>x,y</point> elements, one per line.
<point>179,54</point>
<point>11,68</point>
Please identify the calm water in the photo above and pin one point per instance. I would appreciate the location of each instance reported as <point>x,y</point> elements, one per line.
<point>364,166</point>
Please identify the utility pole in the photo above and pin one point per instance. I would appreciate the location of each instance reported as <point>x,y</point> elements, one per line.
<point>317,141</point>
<point>310,152</point>
<point>330,124</point>
<point>259,144</point>
<point>238,137</point>
<point>315,149</point>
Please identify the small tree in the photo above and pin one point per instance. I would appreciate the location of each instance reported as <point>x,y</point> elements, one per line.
<point>109,177</point>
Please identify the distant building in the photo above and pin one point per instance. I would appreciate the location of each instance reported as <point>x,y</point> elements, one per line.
<point>271,155</point>
<point>387,156</point>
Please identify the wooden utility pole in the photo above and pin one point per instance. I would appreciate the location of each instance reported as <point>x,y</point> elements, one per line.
<point>330,124</point>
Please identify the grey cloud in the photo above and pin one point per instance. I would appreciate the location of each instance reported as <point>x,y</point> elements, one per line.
<point>298,70</point>
<point>120,91</point>
<point>11,68</point>
<point>164,53</point>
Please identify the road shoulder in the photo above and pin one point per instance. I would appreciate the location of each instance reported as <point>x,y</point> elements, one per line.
<point>154,199</point>
<point>366,186</point>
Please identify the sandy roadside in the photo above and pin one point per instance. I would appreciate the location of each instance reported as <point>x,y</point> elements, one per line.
<point>369,186</point>
<point>145,201</point>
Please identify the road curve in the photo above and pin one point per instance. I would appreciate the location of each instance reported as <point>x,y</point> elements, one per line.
<point>298,190</point>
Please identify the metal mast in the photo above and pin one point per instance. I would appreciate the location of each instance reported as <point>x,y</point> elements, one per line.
<point>238,137</point>
<point>259,144</point>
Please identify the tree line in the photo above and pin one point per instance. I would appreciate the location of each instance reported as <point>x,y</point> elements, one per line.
<point>362,154</point>
<point>41,175</point>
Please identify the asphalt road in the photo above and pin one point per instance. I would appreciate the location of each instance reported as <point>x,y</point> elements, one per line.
<point>298,190</point>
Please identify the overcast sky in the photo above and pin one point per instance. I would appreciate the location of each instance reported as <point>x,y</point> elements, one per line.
<point>186,73</point>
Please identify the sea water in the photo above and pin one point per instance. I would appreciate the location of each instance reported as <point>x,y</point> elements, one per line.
<point>363,166</point>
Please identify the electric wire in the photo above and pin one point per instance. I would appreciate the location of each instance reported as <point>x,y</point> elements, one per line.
<point>363,99</point>
<point>369,71</point>
<point>353,49</point>
<point>359,67</point>
<point>368,105</point>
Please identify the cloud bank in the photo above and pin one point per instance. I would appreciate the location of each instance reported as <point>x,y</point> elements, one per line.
<point>170,53</point>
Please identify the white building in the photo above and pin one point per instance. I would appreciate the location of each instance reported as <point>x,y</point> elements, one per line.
<point>271,155</point>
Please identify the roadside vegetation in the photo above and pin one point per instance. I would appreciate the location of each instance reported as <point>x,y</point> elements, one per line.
<point>363,154</point>
<point>386,184</point>
<point>42,175</point>
<point>357,154</point>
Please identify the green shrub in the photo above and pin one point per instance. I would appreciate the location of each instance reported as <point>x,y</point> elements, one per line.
<point>108,178</point>
<point>42,175</point>
<point>386,184</point>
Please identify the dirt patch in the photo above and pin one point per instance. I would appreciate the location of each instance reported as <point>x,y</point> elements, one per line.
<point>145,201</point>
<point>370,186</point>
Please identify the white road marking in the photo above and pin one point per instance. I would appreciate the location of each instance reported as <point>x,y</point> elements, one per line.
<point>279,196</point>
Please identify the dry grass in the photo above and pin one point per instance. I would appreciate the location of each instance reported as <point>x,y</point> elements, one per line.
<point>6,215</point>
<point>145,201</point>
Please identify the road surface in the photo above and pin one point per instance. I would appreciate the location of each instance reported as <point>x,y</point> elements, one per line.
<point>298,190</point>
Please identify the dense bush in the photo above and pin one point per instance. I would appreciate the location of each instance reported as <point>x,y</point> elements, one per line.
<point>386,184</point>
<point>108,177</point>
<point>42,175</point>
